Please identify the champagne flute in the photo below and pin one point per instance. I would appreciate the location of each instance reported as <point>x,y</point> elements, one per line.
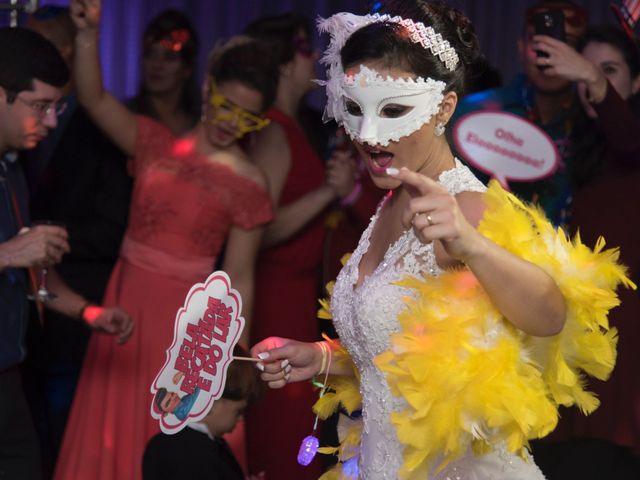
<point>43,294</point>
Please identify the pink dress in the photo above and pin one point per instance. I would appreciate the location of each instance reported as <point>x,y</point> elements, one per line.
<point>182,209</point>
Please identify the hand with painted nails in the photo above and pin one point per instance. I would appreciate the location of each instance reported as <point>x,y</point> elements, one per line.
<point>435,214</point>
<point>284,360</point>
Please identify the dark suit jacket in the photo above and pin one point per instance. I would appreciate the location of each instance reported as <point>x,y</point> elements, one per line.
<point>78,177</point>
<point>189,455</point>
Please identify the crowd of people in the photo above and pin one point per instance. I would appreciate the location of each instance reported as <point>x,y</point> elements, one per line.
<point>464,322</point>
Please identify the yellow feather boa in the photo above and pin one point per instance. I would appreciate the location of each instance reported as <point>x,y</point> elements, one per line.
<point>470,378</point>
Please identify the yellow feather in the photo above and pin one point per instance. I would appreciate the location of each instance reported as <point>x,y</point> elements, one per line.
<point>333,474</point>
<point>328,450</point>
<point>471,379</point>
<point>324,313</point>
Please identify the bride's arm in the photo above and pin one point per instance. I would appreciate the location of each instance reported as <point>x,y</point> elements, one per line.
<point>524,293</point>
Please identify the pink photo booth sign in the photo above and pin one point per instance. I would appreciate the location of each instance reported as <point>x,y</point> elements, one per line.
<point>193,377</point>
<point>505,146</point>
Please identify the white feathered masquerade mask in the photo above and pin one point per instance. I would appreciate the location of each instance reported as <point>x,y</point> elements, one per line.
<point>362,102</point>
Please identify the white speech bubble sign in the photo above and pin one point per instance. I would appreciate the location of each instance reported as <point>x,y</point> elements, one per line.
<point>505,146</point>
<point>205,333</point>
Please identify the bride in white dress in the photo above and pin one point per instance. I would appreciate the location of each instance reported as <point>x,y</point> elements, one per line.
<point>393,83</point>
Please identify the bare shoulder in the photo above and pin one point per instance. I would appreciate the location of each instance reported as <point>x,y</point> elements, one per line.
<point>270,145</point>
<point>271,153</point>
<point>472,206</point>
<point>241,164</point>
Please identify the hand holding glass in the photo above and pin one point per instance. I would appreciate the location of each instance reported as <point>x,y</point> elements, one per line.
<point>43,294</point>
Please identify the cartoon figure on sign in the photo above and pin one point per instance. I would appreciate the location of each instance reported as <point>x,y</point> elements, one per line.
<point>206,331</point>
<point>171,402</point>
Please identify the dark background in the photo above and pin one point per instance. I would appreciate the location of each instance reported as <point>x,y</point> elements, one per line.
<point>498,25</point>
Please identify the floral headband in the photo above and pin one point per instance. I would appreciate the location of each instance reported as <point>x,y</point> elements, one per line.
<point>175,40</point>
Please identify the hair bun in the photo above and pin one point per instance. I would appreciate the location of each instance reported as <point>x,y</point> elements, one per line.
<point>464,40</point>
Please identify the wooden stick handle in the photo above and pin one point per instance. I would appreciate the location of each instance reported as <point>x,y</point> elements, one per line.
<point>247,359</point>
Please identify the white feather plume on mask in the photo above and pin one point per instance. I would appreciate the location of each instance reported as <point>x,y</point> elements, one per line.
<point>339,27</point>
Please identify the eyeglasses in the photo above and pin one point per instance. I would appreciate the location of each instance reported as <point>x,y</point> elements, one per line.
<point>42,109</point>
<point>227,111</point>
<point>303,46</point>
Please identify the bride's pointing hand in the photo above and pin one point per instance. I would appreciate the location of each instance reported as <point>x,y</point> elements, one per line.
<point>434,214</point>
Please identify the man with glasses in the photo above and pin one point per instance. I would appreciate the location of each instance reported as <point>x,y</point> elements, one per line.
<point>43,109</point>
<point>78,177</point>
<point>32,74</point>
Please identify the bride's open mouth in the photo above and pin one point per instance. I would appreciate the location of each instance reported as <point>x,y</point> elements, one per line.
<point>378,160</point>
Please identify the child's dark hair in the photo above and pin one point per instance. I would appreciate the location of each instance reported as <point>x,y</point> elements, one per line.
<point>389,43</point>
<point>280,32</point>
<point>247,61</point>
<point>243,379</point>
<point>26,56</point>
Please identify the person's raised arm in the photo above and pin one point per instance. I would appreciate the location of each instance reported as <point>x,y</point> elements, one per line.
<point>293,217</point>
<point>617,119</point>
<point>524,293</point>
<point>239,263</point>
<point>106,111</point>
<point>272,154</point>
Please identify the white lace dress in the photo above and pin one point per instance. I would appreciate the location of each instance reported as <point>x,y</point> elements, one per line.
<point>365,317</point>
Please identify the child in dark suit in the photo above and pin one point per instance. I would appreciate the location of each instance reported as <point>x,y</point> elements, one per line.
<point>199,451</point>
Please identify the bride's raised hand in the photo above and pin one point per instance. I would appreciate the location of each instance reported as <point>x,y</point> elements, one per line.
<point>284,360</point>
<point>434,214</point>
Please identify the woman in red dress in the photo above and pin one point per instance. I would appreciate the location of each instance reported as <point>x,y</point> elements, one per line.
<point>168,89</point>
<point>191,194</point>
<point>290,266</point>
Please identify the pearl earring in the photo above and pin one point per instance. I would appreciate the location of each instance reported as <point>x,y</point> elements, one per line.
<point>439,129</point>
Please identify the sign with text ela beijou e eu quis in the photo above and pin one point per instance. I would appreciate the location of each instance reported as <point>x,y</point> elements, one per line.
<point>505,146</point>
<point>193,377</point>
